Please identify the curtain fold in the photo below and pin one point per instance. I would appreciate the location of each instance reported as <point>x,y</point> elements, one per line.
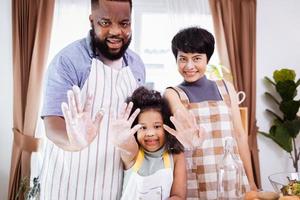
<point>31,27</point>
<point>235,30</point>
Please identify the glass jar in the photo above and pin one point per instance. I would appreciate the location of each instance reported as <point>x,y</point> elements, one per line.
<point>230,174</point>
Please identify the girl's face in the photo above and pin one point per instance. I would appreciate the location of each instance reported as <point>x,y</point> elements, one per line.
<point>151,136</point>
<point>191,66</point>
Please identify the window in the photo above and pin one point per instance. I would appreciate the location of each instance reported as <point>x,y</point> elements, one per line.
<point>153,29</point>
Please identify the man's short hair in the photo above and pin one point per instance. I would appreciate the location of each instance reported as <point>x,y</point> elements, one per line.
<point>95,3</point>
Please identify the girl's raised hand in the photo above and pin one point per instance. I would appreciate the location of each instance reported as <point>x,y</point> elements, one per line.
<point>187,132</point>
<point>81,128</point>
<point>120,127</point>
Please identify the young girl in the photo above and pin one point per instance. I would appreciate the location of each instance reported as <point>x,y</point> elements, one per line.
<point>215,107</point>
<point>153,159</point>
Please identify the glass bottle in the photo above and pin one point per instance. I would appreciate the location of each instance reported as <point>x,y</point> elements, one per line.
<point>229,174</point>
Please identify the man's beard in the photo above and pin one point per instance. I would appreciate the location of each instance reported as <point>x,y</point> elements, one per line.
<point>101,47</point>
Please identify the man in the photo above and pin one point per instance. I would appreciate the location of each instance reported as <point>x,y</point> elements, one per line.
<point>80,162</point>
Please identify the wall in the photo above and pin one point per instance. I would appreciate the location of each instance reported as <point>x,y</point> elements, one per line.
<point>278,42</point>
<point>6,95</point>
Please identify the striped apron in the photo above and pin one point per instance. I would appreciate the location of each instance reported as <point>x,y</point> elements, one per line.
<point>96,172</point>
<point>215,117</point>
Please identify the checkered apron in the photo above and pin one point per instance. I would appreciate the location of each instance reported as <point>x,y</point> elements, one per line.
<point>216,118</point>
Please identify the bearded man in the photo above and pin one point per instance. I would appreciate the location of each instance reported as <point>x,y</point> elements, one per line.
<point>88,76</point>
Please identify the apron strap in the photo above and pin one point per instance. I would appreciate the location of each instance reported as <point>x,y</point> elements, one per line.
<point>167,161</point>
<point>224,92</point>
<point>182,96</point>
<point>139,161</point>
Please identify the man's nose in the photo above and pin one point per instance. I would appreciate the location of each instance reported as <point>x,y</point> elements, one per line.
<point>115,29</point>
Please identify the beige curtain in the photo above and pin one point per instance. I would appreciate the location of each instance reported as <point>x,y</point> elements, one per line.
<point>235,30</point>
<point>31,25</point>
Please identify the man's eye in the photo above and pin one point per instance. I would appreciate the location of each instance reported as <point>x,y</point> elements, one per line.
<point>104,23</point>
<point>125,24</point>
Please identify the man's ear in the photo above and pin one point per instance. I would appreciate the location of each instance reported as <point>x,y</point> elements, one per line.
<point>91,20</point>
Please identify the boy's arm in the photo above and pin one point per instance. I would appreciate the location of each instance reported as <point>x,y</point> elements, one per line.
<point>179,186</point>
<point>241,136</point>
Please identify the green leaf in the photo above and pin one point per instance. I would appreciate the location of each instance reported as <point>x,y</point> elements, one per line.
<point>298,82</point>
<point>266,134</point>
<point>289,109</point>
<point>274,114</point>
<point>284,75</point>
<point>269,80</point>
<point>269,95</point>
<point>293,127</point>
<point>286,89</point>
<point>281,137</point>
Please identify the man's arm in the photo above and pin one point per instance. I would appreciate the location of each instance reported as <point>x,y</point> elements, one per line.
<point>77,129</point>
<point>56,132</point>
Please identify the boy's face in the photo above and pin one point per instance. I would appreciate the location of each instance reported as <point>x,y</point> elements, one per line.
<point>151,136</point>
<point>111,24</point>
<point>191,66</point>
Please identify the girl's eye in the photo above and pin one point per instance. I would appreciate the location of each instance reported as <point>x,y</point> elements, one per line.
<point>157,126</point>
<point>143,128</point>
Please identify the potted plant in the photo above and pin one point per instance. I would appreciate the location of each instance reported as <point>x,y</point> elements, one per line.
<point>286,124</point>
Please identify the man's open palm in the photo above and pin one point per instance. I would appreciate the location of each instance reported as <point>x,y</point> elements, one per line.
<point>80,126</point>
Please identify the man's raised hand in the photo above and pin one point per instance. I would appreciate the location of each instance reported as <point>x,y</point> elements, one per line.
<point>81,128</point>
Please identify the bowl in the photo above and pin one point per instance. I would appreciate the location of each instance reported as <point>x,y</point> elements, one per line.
<point>281,179</point>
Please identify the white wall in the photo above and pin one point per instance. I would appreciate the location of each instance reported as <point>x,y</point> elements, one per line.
<point>278,43</point>
<point>6,95</point>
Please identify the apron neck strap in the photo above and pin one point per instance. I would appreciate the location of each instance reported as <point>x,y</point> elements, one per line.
<point>140,158</point>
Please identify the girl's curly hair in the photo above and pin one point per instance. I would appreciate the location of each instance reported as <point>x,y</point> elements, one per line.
<point>145,99</point>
